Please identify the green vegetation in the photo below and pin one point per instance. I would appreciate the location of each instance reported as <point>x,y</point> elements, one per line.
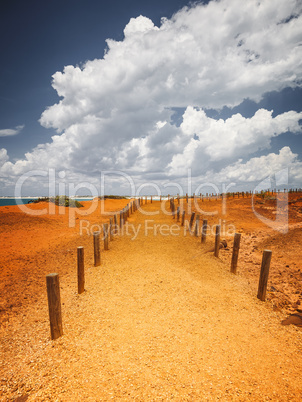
<point>112,197</point>
<point>61,200</point>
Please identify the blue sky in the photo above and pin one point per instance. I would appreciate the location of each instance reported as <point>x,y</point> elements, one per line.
<point>210,90</point>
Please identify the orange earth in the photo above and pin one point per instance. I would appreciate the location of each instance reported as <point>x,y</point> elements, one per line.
<point>161,318</point>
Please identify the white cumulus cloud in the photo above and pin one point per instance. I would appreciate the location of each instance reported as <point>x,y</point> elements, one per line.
<point>115,112</point>
<point>259,168</point>
<point>8,132</point>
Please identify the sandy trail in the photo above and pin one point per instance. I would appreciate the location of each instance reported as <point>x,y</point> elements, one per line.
<point>161,319</point>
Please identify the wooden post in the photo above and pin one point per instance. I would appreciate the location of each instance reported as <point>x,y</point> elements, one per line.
<point>178,212</point>
<point>54,305</point>
<point>111,229</point>
<point>115,224</point>
<point>105,231</point>
<point>96,247</point>
<point>236,247</point>
<point>191,220</point>
<point>151,199</point>
<point>204,231</point>
<point>197,226</point>
<point>266,261</point>
<point>217,241</point>
<point>121,219</point>
<point>81,273</point>
<point>183,218</point>
<point>187,198</point>
<point>173,209</point>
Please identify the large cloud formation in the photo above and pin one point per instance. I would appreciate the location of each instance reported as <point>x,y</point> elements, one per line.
<point>116,113</point>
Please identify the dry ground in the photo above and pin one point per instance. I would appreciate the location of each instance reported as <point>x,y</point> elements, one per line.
<point>160,319</point>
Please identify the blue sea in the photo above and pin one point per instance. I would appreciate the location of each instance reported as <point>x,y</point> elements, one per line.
<point>13,201</point>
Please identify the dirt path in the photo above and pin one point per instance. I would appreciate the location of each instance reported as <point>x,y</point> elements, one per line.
<point>161,319</point>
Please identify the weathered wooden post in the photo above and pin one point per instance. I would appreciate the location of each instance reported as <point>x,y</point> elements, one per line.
<point>96,248</point>
<point>236,247</point>
<point>105,231</point>
<point>183,218</point>
<point>265,265</point>
<point>197,226</point>
<point>151,199</point>
<point>111,229</point>
<point>115,224</point>
<point>178,213</point>
<point>187,198</point>
<point>121,219</point>
<point>81,273</point>
<point>191,220</point>
<point>173,209</point>
<point>204,230</point>
<point>217,241</point>
<point>54,305</point>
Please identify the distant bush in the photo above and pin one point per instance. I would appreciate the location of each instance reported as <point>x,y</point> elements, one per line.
<point>60,200</point>
<point>40,199</point>
<point>112,197</point>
